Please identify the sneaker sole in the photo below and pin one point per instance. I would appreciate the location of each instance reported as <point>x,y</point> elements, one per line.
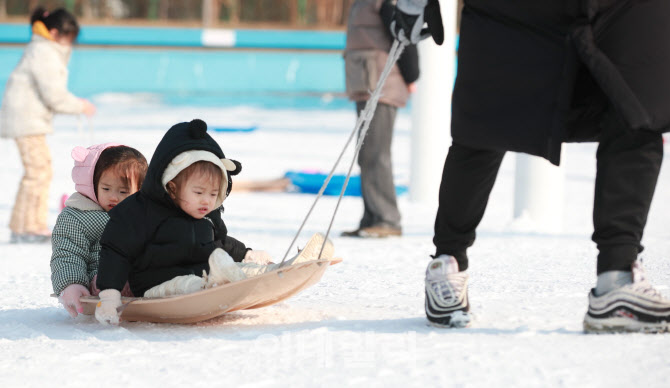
<point>455,320</point>
<point>622,325</point>
<point>457,316</point>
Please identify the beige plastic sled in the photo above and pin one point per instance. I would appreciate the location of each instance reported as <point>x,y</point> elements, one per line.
<point>258,291</point>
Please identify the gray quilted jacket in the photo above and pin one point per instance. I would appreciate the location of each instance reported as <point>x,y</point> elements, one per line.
<point>75,242</point>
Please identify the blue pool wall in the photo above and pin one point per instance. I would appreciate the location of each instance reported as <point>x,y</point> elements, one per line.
<point>200,66</point>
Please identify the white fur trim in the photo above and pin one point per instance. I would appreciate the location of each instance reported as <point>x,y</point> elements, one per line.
<point>187,158</point>
<point>82,202</point>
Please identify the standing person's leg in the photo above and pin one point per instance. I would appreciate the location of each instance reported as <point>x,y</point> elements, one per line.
<point>381,216</point>
<point>29,215</point>
<point>467,181</point>
<point>628,166</point>
<point>41,149</point>
<point>629,163</point>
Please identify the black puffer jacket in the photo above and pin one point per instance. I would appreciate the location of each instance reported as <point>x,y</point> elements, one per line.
<point>149,239</point>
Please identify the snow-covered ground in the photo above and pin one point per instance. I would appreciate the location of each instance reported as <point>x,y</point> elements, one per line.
<point>363,324</point>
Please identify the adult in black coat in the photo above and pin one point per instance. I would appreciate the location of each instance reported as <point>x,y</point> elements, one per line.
<point>149,239</point>
<point>535,74</point>
<point>531,76</point>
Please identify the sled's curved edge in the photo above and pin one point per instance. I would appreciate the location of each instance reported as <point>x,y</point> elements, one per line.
<point>137,311</point>
<point>313,279</point>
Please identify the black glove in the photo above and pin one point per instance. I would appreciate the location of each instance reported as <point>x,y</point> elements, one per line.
<point>410,16</point>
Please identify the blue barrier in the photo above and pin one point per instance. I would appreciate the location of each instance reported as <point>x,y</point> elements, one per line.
<point>191,37</point>
<point>140,36</point>
<point>234,129</point>
<point>322,40</point>
<point>311,182</point>
<point>291,77</point>
<point>205,77</point>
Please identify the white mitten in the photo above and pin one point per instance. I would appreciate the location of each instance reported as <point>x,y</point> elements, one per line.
<point>180,285</point>
<point>258,257</point>
<point>69,297</point>
<point>222,269</point>
<point>105,311</point>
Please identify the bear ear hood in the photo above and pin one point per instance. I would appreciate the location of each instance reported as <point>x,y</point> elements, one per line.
<point>232,166</point>
<point>197,129</point>
<point>178,140</point>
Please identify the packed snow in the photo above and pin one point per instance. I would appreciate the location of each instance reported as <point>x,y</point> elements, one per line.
<point>363,324</point>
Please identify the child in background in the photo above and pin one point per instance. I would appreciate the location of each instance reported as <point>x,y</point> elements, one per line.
<point>36,89</point>
<point>173,224</point>
<point>104,175</point>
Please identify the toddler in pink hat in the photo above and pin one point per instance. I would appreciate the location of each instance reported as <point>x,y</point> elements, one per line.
<point>104,175</point>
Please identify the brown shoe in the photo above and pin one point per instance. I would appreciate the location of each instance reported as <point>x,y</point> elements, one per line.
<point>29,238</point>
<point>374,232</point>
<point>351,233</point>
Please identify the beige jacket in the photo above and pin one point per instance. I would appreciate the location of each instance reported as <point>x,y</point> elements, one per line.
<point>365,55</point>
<point>36,89</point>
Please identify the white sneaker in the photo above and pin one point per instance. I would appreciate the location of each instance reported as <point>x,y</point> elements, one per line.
<point>635,307</point>
<point>447,293</point>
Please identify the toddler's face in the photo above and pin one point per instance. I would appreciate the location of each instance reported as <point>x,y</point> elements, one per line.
<point>112,190</point>
<point>198,194</point>
<point>62,39</point>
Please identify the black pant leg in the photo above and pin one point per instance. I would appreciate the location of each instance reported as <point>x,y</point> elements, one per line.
<point>629,162</point>
<point>467,181</point>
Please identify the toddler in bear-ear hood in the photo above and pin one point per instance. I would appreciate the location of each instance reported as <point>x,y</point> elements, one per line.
<point>184,144</point>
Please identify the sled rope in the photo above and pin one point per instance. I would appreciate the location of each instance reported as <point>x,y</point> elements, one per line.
<point>362,124</point>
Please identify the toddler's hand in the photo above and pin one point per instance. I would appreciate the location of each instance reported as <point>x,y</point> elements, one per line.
<point>411,88</point>
<point>105,311</point>
<point>69,297</point>
<point>258,257</point>
<point>89,108</point>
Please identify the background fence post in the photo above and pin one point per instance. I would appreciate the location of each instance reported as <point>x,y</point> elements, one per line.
<point>431,110</point>
<point>538,195</point>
